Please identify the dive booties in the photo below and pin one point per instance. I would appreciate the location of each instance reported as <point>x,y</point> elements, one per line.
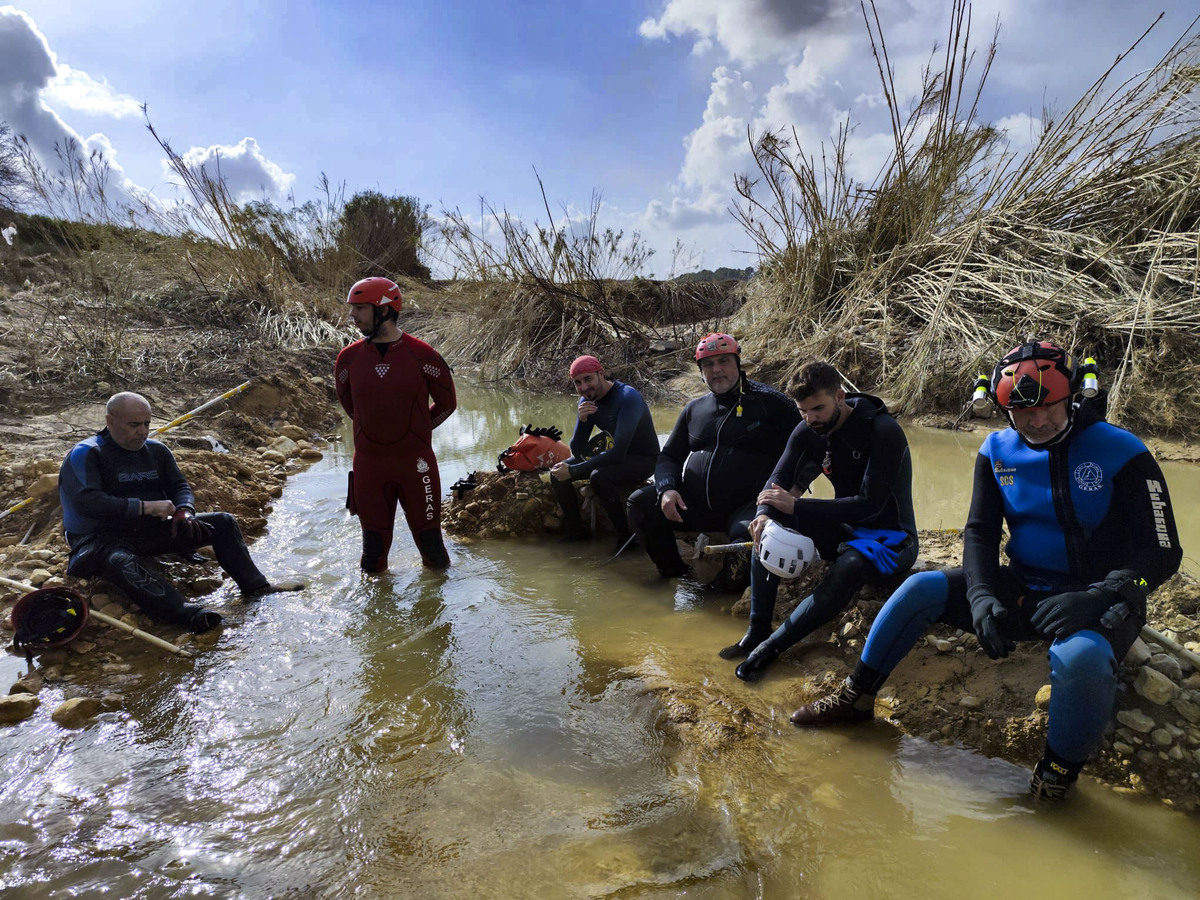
<point>754,636</point>
<point>200,619</point>
<point>756,664</point>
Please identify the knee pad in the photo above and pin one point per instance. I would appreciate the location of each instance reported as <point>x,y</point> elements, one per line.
<point>433,549</point>
<point>129,569</point>
<point>374,550</point>
<point>1083,658</point>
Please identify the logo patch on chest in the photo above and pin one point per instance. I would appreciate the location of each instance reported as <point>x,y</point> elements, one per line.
<point>381,369</point>
<point>1089,476</point>
<point>422,466</point>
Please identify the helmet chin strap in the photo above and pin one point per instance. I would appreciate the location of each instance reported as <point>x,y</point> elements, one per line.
<point>1058,438</point>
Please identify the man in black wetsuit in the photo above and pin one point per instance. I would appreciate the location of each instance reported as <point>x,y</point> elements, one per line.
<point>711,468</point>
<point>1091,534</point>
<point>866,533</point>
<point>622,458</point>
<point>125,501</point>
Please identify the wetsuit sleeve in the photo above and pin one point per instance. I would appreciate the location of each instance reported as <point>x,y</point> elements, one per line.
<point>441,389</point>
<point>175,486</point>
<point>82,492</point>
<point>981,537</point>
<point>341,380</point>
<point>628,416</point>
<point>668,473</point>
<point>889,447</point>
<point>579,438</point>
<point>795,471</point>
<point>1152,546</point>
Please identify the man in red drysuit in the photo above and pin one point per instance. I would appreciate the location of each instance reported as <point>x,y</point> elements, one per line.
<point>397,389</point>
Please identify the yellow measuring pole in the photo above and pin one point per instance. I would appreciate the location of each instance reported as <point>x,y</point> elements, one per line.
<point>199,409</point>
<point>12,509</point>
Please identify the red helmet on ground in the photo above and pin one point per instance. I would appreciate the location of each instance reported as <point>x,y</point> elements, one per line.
<point>50,617</point>
<point>715,344</point>
<point>1037,373</point>
<point>376,291</point>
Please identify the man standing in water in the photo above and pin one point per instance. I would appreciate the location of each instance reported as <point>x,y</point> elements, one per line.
<point>125,501</point>
<point>397,389</point>
<point>1091,535</point>
<point>868,532</point>
<point>714,463</point>
<point>628,448</point>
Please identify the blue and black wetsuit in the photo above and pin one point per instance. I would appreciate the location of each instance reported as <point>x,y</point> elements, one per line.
<point>867,461</point>
<point>1090,512</point>
<point>721,449</point>
<point>622,414</point>
<point>102,487</point>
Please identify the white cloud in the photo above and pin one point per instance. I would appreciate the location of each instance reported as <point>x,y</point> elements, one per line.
<point>718,145</point>
<point>77,90</point>
<point>748,30</point>
<point>684,215</point>
<point>247,173</point>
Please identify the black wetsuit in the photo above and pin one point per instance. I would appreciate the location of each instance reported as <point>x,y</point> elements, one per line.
<point>867,461</point>
<point>623,414</point>
<point>721,449</point>
<point>102,487</point>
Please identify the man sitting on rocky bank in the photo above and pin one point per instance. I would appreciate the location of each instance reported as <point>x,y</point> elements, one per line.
<point>622,417</point>
<point>867,533</point>
<point>1091,535</point>
<point>719,454</point>
<point>125,501</point>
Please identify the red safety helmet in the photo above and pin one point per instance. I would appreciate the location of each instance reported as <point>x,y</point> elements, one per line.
<point>715,344</point>
<point>50,617</point>
<point>1037,373</point>
<point>376,291</point>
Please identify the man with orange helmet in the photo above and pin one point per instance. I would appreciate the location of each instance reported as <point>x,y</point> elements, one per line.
<point>720,453</point>
<point>396,389</point>
<point>1091,534</point>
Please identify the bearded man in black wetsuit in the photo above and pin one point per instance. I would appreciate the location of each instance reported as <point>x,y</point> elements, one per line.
<point>710,470</point>
<point>125,501</point>
<point>867,532</point>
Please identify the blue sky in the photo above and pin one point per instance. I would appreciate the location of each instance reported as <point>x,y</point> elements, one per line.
<point>645,101</point>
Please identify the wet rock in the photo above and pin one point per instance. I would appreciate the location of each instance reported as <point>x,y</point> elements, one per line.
<point>311,454</point>
<point>52,657</point>
<point>1042,698</point>
<point>1147,757</point>
<point>99,600</point>
<point>1136,720</point>
<point>205,584</point>
<point>77,712</point>
<point>532,507</point>
<point>1188,709</point>
<point>970,702</point>
<point>1122,748</point>
<point>1177,754</point>
<point>116,610</point>
<point>27,684</point>
<point>111,702</point>
<point>943,645</point>
<point>1161,737</point>
<point>38,577</point>
<point>1168,665</point>
<point>82,647</point>
<point>116,668</point>
<point>53,673</point>
<point>295,432</point>
<point>273,456</point>
<point>1155,686</point>
<point>17,707</point>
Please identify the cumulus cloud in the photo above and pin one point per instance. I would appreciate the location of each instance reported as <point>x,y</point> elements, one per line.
<point>77,90</point>
<point>684,215</point>
<point>748,30</point>
<point>720,140</point>
<point>247,173</point>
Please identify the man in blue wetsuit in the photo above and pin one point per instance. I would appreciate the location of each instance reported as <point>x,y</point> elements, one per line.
<point>124,501</point>
<point>866,533</point>
<point>619,457</point>
<point>713,465</point>
<point>1091,535</point>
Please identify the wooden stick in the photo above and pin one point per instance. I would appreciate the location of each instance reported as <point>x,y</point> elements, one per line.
<point>714,549</point>
<point>1149,634</point>
<point>109,620</point>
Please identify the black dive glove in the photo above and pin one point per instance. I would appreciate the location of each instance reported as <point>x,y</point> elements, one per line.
<point>986,613</point>
<point>1061,615</point>
<point>184,523</point>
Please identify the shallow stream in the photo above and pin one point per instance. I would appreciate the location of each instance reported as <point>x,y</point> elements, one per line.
<point>491,732</point>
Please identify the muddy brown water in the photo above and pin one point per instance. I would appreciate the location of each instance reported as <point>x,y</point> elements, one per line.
<point>492,733</point>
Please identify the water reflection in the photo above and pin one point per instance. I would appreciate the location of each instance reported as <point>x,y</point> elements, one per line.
<point>502,730</point>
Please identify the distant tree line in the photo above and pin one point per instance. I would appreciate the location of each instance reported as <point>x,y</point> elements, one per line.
<point>721,274</point>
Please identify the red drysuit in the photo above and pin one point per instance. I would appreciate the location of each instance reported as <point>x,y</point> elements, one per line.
<point>388,396</point>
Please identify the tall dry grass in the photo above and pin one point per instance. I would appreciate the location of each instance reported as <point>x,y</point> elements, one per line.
<point>961,248</point>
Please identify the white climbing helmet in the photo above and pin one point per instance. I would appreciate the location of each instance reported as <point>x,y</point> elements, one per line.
<point>785,552</point>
